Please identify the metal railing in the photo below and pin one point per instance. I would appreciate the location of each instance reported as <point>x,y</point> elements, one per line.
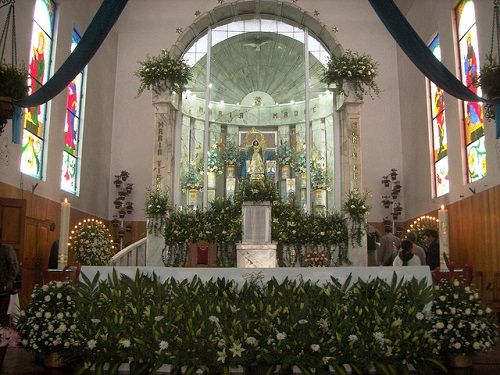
<point>132,255</point>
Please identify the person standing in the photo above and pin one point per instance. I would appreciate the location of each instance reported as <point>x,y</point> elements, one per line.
<point>432,239</point>
<point>416,250</point>
<point>9,269</point>
<point>406,256</point>
<point>389,245</point>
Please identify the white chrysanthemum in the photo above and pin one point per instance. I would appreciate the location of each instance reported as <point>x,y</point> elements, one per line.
<point>379,336</point>
<point>439,325</point>
<point>352,338</point>
<point>251,341</point>
<point>419,316</point>
<point>158,318</point>
<point>476,345</point>
<point>125,343</point>
<point>163,345</point>
<point>315,347</point>
<point>281,336</point>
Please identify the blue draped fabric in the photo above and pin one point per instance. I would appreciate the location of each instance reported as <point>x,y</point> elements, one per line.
<point>101,24</point>
<point>422,57</point>
<point>17,125</point>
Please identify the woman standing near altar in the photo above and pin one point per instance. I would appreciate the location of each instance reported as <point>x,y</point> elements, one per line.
<point>405,256</point>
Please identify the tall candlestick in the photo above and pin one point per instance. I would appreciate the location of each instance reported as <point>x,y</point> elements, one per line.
<point>64,234</point>
<point>444,245</point>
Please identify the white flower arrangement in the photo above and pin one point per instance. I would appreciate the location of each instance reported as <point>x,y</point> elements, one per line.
<point>461,324</point>
<point>91,243</point>
<point>49,323</point>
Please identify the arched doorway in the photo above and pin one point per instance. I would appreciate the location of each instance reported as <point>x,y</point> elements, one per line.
<point>257,69</point>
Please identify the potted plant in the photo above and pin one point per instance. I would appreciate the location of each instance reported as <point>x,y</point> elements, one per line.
<point>192,183</point>
<point>300,166</point>
<point>358,70</point>
<point>231,156</point>
<point>393,174</point>
<point>386,181</point>
<point>115,222</point>
<point>163,73</point>
<point>49,325</point>
<point>462,325</point>
<point>90,242</point>
<point>489,80</point>
<point>118,181</point>
<point>394,193</point>
<point>320,184</point>
<point>118,203</point>
<point>124,175</point>
<point>129,187</point>
<point>284,157</point>
<point>12,86</point>
<point>129,207</point>
<point>214,165</point>
<point>386,201</point>
<point>156,209</point>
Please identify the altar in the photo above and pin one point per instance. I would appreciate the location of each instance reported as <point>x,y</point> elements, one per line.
<point>320,275</point>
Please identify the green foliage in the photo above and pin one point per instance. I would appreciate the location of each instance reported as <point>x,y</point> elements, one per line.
<point>489,80</point>
<point>257,191</point>
<point>284,154</point>
<point>49,324</point>
<point>215,163</point>
<point>217,324</point>
<point>300,162</point>
<point>156,209</point>
<point>163,73</point>
<point>231,154</point>
<point>356,207</point>
<point>359,70</point>
<point>461,323</point>
<point>13,80</point>
<point>319,178</point>
<point>192,179</point>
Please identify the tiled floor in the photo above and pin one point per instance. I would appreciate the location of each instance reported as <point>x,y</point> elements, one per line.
<point>19,362</point>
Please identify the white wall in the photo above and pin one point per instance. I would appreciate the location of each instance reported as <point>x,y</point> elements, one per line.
<point>429,17</point>
<point>146,27</point>
<point>97,117</point>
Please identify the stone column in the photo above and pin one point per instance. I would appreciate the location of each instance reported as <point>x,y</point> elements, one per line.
<point>165,107</point>
<point>350,120</point>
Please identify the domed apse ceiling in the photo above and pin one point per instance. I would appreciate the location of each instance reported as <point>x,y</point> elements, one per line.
<point>257,61</point>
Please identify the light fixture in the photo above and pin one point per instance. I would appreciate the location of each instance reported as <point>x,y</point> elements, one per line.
<point>210,85</point>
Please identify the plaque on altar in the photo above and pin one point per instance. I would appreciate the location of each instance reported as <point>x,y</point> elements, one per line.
<point>256,222</point>
<point>202,254</point>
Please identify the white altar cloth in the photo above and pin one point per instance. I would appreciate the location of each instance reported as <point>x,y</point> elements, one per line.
<point>240,275</point>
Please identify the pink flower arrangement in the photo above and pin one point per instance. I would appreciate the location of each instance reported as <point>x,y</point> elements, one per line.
<point>9,337</point>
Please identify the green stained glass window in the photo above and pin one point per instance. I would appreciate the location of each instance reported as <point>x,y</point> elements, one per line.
<point>35,118</point>
<point>439,138</point>
<point>473,111</point>
<point>73,128</point>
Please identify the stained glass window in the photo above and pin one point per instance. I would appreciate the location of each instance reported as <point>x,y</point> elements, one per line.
<point>73,128</point>
<point>35,118</point>
<point>439,138</point>
<point>473,111</point>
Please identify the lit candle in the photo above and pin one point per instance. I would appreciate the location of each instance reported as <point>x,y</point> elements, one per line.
<point>64,234</point>
<point>444,245</point>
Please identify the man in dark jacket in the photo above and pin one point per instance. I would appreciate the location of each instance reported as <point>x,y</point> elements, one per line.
<point>433,256</point>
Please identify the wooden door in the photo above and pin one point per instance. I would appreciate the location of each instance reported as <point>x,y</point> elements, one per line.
<point>12,214</point>
<point>34,257</point>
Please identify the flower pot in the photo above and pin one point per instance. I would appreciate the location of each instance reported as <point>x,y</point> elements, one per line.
<point>394,196</point>
<point>386,184</point>
<point>129,190</point>
<point>129,210</point>
<point>121,197</point>
<point>53,360</point>
<point>461,361</point>
<point>387,205</point>
<point>118,184</point>
<point>211,180</point>
<point>320,197</point>
<point>230,170</point>
<point>192,197</point>
<point>122,215</point>
<point>394,176</point>
<point>285,172</point>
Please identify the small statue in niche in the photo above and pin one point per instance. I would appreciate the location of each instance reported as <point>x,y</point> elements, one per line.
<point>256,169</point>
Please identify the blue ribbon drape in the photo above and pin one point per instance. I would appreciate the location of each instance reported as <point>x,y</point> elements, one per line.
<point>422,57</point>
<point>96,32</point>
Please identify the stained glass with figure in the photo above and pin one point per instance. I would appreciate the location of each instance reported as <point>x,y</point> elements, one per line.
<point>35,118</point>
<point>439,137</point>
<point>470,66</point>
<point>72,128</point>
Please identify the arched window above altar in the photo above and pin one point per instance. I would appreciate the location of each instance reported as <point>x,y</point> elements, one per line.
<point>260,75</point>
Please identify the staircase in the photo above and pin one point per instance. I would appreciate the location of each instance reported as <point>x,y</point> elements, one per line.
<point>132,255</point>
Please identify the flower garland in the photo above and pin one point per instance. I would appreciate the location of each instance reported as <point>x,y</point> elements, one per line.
<point>163,73</point>
<point>49,324</point>
<point>156,208</point>
<point>359,70</point>
<point>91,243</point>
<point>356,207</point>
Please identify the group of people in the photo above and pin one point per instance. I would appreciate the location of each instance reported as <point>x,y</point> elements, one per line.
<point>390,250</point>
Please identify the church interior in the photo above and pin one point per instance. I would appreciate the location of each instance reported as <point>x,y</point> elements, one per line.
<point>256,107</point>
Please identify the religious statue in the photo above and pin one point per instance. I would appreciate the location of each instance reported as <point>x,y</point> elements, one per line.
<point>256,169</point>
